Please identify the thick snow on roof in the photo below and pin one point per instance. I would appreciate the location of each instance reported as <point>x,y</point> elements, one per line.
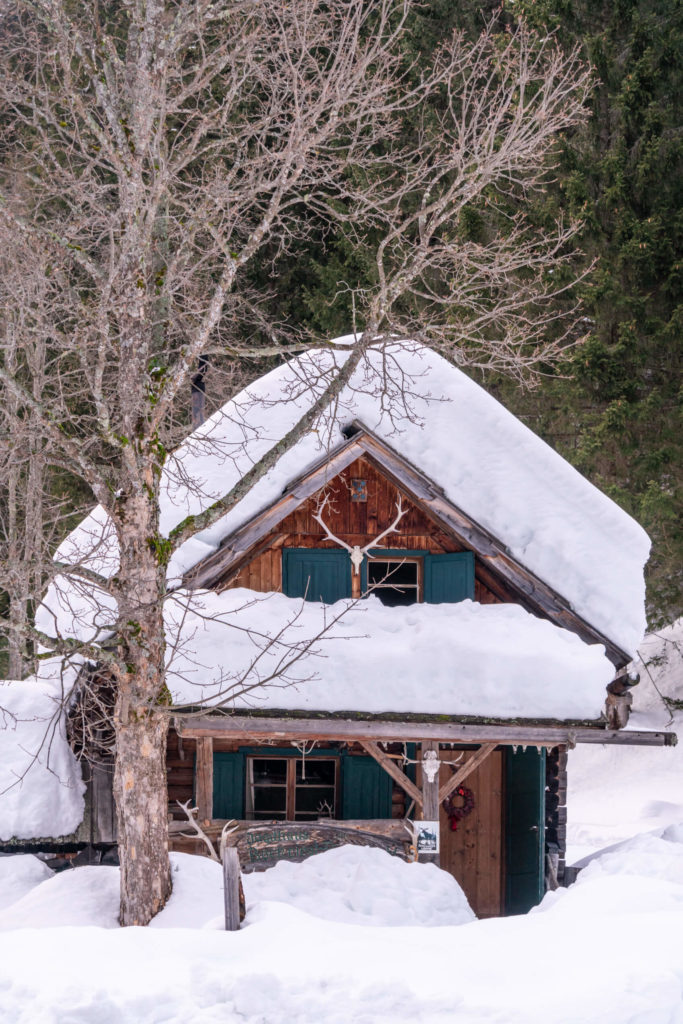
<point>488,463</point>
<point>41,788</point>
<point>462,659</point>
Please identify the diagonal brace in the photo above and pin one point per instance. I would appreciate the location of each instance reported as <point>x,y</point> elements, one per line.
<point>469,766</point>
<point>391,768</point>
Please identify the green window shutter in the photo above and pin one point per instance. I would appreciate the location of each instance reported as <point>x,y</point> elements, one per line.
<point>524,834</point>
<point>449,578</point>
<point>228,786</point>
<point>366,788</point>
<point>317,575</point>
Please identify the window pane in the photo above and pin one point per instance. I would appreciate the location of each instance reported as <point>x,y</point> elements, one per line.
<point>269,799</point>
<point>270,771</point>
<point>318,773</point>
<point>392,573</point>
<point>310,802</point>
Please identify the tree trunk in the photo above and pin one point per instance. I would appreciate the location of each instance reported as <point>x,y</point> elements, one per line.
<point>140,789</point>
<point>142,816</point>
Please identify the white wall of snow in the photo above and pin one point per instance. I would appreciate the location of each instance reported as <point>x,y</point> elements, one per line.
<point>457,659</point>
<point>41,787</point>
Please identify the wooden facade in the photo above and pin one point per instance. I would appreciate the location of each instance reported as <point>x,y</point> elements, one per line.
<point>500,869</point>
<point>357,523</point>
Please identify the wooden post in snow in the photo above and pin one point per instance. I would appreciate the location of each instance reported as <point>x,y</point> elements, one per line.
<point>231,888</point>
<point>430,798</point>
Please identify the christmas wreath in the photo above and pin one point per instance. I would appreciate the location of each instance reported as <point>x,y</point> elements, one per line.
<point>456,812</point>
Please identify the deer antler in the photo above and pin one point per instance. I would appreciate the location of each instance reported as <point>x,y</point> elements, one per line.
<point>201,834</point>
<point>356,552</point>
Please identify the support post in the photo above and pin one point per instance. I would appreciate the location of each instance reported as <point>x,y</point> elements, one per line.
<point>430,799</point>
<point>231,888</point>
<point>204,779</point>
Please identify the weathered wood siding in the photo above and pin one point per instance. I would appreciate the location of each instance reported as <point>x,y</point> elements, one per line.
<point>356,523</point>
<point>474,853</point>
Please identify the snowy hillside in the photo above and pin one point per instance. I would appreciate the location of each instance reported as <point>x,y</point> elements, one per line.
<point>615,792</point>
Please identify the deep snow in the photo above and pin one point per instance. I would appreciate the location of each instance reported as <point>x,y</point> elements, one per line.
<point>430,659</point>
<point>41,789</point>
<point>606,950</point>
<point>487,462</point>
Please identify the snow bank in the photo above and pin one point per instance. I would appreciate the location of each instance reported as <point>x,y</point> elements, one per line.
<point>488,463</point>
<point>643,874</point>
<point>458,659</point>
<point>617,792</point>
<point>622,921</point>
<point>82,897</point>
<point>41,788</point>
<point>359,885</point>
<point>19,874</point>
<point>349,885</point>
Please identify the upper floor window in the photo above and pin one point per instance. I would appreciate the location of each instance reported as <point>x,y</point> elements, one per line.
<point>395,581</point>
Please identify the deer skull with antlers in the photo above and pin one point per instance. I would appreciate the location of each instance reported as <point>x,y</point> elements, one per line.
<point>356,552</point>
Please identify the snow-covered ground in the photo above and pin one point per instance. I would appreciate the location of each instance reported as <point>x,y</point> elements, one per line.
<point>608,949</point>
<point>355,935</point>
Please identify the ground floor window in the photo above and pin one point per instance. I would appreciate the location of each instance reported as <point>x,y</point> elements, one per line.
<point>287,789</point>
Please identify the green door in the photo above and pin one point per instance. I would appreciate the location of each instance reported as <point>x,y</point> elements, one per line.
<point>316,575</point>
<point>366,788</point>
<point>524,833</point>
<point>228,785</point>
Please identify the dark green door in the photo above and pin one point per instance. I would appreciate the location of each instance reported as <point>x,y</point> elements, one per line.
<point>228,786</point>
<point>524,834</point>
<point>316,575</point>
<point>366,788</point>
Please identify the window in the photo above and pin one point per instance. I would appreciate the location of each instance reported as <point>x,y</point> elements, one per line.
<point>395,581</point>
<point>279,788</point>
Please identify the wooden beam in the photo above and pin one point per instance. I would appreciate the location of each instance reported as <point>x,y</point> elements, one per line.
<point>466,769</point>
<point>430,798</point>
<point>430,789</point>
<point>204,779</point>
<point>392,769</point>
<point>244,727</point>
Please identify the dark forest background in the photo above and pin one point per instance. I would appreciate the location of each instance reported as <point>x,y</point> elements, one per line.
<point>614,408</point>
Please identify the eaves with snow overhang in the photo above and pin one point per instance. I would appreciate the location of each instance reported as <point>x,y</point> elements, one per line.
<point>495,559</point>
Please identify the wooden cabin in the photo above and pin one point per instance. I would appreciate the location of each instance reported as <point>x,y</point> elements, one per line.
<point>457,505</point>
<point>367,770</point>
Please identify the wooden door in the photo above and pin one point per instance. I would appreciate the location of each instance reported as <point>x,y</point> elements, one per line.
<point>474,853</point>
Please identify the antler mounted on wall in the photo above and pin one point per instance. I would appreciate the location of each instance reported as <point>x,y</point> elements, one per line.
<point>356,552</point>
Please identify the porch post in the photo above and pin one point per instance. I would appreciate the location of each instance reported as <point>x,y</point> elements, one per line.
<point>430,798</point>
<point>204,779</point>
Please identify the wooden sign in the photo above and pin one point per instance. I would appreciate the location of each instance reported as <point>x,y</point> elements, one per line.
<point>261,846</point>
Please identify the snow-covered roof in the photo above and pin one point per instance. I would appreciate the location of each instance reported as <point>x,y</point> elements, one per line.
<point>41,788</point>
<point>466,659</point>
<point>488,463</point>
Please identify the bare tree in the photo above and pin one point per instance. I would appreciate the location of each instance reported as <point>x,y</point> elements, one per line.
<point>153,149</point>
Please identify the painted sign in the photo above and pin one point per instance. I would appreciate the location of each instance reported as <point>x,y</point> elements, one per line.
<point>261,846</point>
